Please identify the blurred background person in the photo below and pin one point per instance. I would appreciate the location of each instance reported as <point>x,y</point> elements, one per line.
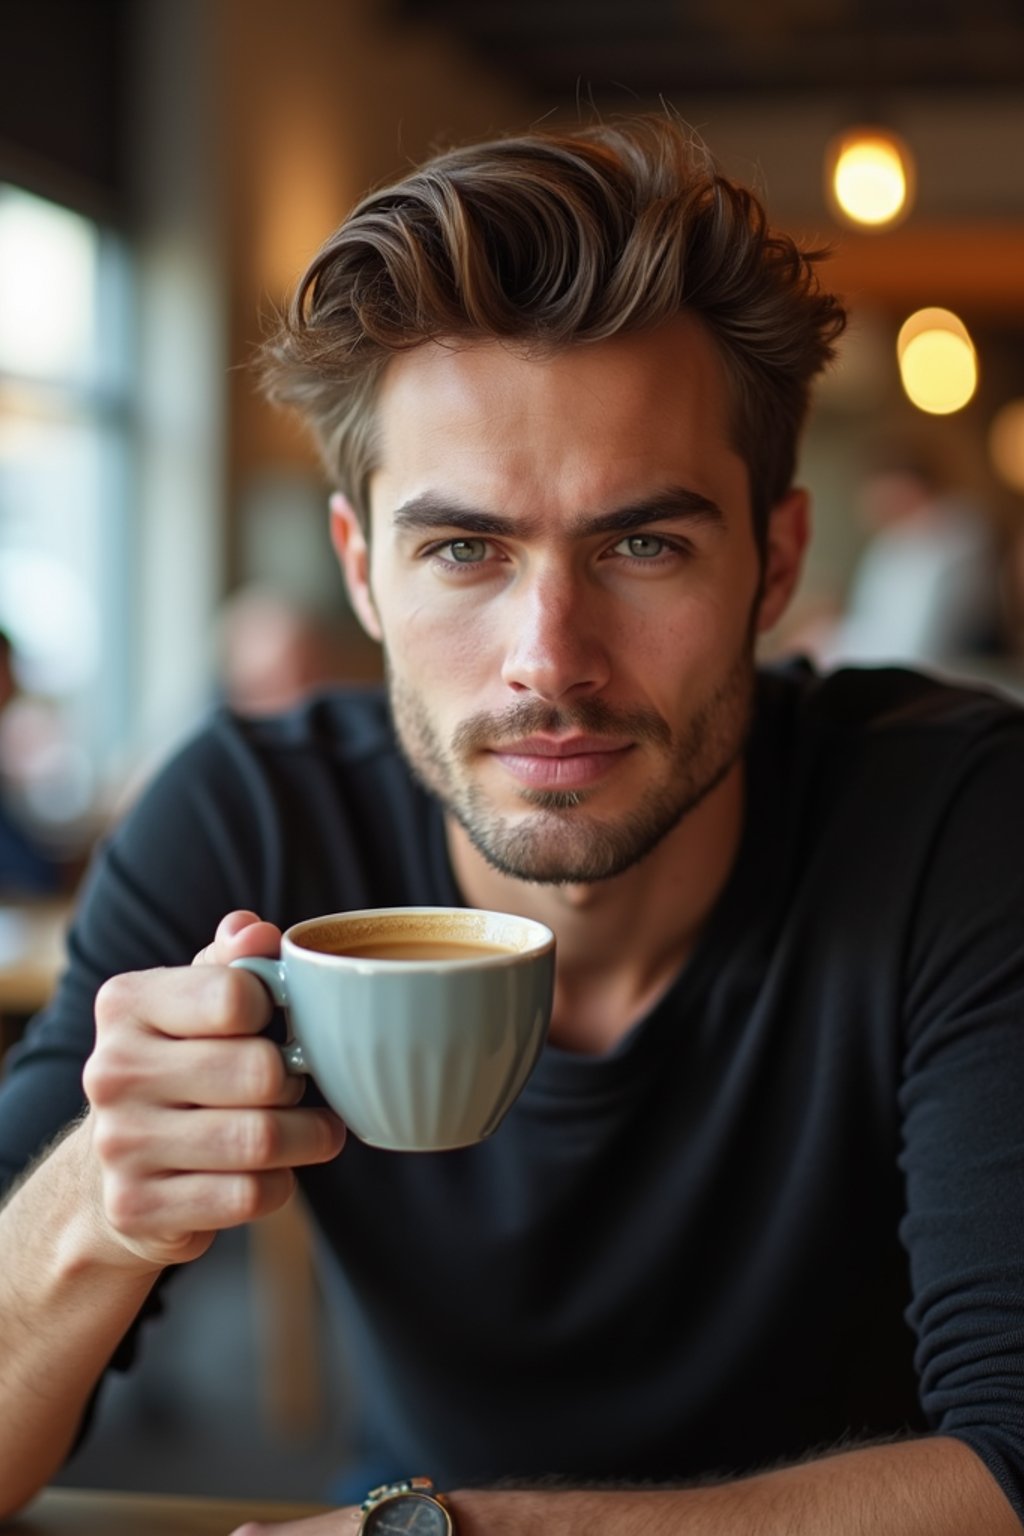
<point>925,589</point>
<point>272,651</point>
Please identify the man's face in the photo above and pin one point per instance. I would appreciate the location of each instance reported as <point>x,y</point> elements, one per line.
<point>564,575</point>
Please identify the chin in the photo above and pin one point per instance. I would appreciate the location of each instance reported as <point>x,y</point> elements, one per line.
<point>555,853</point>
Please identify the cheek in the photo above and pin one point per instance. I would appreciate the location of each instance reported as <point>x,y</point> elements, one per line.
<point>716,620</point>
<point>450,650</point>
<point>699,630</point>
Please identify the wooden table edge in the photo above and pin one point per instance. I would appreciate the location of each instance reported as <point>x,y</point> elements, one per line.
<point>94,1512</point>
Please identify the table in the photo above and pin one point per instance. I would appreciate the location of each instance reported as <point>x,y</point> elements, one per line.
<point>31,951</point>
<point>73,1512</point>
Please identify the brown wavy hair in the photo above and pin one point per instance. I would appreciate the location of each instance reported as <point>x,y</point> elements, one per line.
<point>551,240</point>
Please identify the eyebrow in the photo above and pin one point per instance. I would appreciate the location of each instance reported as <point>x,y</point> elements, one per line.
<point>429,510</point>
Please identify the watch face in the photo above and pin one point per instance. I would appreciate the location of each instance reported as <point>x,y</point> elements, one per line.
<point>408,1514</point>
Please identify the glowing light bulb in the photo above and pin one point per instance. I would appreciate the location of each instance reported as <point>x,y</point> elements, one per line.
<point>870,176</point>
<point>938,363</point>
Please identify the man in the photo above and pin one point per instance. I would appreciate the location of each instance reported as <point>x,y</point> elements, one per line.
<point>743,1255</point>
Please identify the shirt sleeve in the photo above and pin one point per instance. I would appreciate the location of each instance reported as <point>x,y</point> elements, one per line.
<point>963,1127</point>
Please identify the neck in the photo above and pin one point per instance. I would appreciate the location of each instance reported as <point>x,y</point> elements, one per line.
<point>622,940</point>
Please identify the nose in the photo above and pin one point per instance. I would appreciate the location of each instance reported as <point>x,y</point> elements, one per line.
<point>555,643</point>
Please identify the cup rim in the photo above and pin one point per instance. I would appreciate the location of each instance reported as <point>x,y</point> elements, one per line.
<point>545,940</point>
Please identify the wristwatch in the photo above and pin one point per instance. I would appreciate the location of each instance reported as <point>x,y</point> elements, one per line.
<point>410,1507</point>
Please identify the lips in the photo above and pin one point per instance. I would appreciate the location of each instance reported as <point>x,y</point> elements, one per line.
<point>564,762</point>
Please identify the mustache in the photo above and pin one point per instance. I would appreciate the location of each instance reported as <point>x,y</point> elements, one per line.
<point>592,717</point>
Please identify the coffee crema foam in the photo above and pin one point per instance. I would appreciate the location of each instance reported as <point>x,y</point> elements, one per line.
<point>416,949</point>
<point>426,937</point>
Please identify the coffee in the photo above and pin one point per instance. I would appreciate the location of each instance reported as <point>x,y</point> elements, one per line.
<point>417,949</point>
<point>430,936</point>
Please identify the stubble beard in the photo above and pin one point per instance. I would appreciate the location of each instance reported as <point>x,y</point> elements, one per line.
<point>562,843</point>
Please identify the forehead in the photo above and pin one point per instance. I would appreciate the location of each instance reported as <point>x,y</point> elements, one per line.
<point>582,426</point>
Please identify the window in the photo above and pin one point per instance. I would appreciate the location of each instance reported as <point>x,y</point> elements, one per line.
<point>66,434</point>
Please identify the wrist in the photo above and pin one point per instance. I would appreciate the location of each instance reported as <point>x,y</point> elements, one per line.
<point>574,1511</point>
<point>483,1512</point>
<point>527,1512</point>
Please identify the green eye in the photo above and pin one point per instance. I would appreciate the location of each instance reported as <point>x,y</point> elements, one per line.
<point>468,551</point>
<point>642,546</point>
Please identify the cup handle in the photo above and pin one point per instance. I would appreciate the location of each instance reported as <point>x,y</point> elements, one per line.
<point>272,975</point>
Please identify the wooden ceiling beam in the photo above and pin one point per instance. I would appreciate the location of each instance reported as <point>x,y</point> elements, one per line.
<point>978,266</point>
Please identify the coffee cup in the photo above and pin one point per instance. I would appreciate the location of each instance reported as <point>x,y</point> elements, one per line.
<point>420,1025</point>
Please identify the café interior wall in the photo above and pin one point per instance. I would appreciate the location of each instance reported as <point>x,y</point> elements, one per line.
<point>318,106</point>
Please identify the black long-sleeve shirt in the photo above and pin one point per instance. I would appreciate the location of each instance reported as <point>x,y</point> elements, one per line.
<point>784,1211</point>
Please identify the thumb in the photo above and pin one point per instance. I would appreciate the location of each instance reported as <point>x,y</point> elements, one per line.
<point>240,933</point>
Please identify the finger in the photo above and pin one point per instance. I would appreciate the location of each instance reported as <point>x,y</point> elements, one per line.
<point>150,1210</point>
<point>240,933</point>
<point>216,1074</point>
<point>159,1140</point>
<point>185,1000</point>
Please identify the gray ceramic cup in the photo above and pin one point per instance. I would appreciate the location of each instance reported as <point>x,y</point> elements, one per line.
<point>420,1025</point>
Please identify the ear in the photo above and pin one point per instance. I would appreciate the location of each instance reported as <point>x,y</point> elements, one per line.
<point>353,554</point>
<point>789,526</point>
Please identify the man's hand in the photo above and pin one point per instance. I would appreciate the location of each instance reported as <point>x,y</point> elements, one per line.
<point>193,1127</point>
<point>194,1121</point>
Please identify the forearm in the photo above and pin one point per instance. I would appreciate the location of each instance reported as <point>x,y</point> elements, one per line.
<point>931,1487</point>
<point>67,1297</point>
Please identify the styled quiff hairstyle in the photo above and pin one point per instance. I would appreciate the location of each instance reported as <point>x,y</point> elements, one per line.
<point>551,240</point>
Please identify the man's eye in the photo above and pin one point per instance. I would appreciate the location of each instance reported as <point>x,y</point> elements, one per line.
<point>467,551</point>
<point>642,546</point>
